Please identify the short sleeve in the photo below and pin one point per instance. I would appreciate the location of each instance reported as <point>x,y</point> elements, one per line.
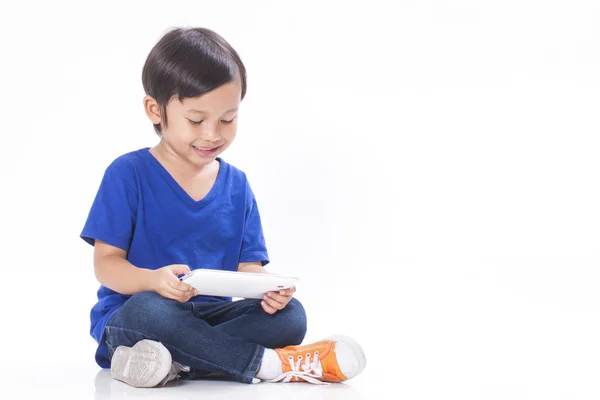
<point>254,248</point>
<point>112,216</point>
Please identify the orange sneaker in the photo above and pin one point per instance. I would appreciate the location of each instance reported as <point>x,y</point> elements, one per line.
<point>334,359</point>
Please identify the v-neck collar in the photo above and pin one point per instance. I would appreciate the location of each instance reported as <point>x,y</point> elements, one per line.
<point>183,195</point>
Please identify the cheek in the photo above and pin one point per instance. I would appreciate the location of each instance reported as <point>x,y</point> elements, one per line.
<point>180,135</point>
<point>230,132</point>
<point>184,132</point>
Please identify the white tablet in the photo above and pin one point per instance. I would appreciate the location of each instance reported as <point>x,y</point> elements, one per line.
<point>211,282</point>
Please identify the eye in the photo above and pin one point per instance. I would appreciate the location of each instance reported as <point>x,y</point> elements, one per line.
<point>228,121</point>
<point>195,122</point>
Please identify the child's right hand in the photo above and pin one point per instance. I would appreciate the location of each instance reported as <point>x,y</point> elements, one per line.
<point>165,282</point>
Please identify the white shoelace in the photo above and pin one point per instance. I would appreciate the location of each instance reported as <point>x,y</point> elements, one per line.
<point>173,374</point>
<point>308,371</point>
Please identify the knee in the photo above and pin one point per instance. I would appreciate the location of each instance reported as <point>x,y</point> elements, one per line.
<point>148,301</point>
<point>147,307</point>
<point>293,322</point>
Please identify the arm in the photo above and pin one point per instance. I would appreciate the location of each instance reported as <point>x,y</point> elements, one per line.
<point>254,267</point>
<point>112,218</point>
<point>116,273</point>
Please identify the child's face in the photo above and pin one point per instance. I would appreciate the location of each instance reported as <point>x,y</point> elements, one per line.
<point>198,137</point>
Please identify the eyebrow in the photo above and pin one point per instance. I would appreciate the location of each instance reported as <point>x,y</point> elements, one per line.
<point>203,112</point>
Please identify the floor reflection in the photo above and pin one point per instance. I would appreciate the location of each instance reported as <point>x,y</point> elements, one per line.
<point>221,389</point>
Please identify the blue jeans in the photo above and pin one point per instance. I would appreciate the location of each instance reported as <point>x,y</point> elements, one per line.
<point>227,338</point>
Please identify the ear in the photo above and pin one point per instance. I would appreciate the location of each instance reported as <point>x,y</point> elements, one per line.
<point>152,109</point>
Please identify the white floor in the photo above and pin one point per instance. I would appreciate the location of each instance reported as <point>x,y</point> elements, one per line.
<point>107,388</point>
<point>517,330</point>
<point>74,382</point>
<point>437,371</point>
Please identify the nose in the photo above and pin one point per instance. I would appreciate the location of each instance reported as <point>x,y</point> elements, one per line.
<point>210,134</point>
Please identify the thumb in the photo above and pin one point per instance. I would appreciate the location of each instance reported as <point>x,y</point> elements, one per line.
<point>180,269</point>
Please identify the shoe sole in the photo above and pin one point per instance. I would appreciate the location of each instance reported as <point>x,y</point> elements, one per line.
<point>144,365</point>
<point>356,348</point>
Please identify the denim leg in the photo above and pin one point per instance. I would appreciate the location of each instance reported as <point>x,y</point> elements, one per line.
<point>247,320</point>
<point>191,341</point>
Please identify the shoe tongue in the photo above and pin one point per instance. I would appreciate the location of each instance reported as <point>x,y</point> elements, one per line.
<point>323,347</point>
<point>177,367</point>
<point>173,374</point>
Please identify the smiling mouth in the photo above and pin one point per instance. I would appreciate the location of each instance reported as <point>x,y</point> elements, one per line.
<point>205,148</point>
<point>206,151</point>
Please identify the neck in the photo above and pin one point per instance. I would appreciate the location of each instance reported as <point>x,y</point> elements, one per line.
<point>177,164</point>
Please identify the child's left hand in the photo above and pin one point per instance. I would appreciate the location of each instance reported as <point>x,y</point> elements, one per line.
<point>275,301</point>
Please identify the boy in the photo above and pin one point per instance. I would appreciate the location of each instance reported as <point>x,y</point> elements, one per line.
<point>162,211</point>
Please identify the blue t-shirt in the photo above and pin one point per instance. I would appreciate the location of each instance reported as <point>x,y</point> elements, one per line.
<point>140,208</point>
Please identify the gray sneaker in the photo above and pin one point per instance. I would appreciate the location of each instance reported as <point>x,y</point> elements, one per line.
<point>147,364</point>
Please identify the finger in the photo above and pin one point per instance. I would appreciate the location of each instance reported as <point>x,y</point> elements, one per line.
<point>179,291</point>
<point>288,292</point>
<point>179,285</point>
<point>273,303</point>
<point>189,294</point>
<point>180,269</point>
<point>191,291</point>
<point>278,298</point>
<point>172,294</point>
<point>268,308</point>
<point>185,297</point>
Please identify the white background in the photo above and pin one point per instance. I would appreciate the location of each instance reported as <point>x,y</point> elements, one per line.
<point>429,169</point>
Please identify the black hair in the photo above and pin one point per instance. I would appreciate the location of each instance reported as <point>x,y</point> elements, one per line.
<point>189,62</point>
